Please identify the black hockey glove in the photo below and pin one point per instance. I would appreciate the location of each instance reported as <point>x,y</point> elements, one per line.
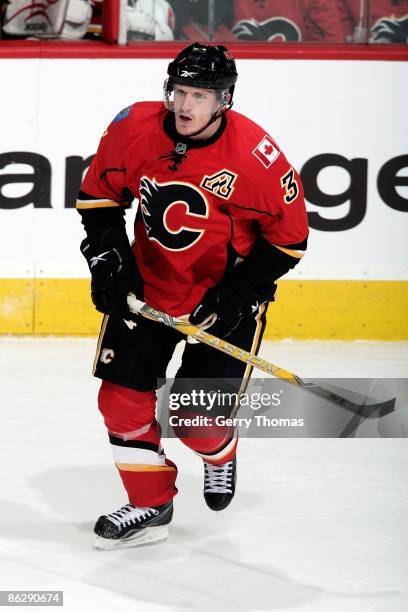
<point>114,272</point>
<point>235,298</point>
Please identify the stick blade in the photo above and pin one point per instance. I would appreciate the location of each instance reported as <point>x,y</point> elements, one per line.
<point>368,411</point>
<point>376,411</point>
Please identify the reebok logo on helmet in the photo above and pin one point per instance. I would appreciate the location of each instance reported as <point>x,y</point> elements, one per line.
<point>187,74</point>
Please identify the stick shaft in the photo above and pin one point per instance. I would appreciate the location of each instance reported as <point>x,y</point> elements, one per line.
<point>374,410</point>
<point>222,345</point>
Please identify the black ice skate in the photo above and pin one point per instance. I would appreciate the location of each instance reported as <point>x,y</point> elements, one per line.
<point>133,526</point>
<point>219,484</point>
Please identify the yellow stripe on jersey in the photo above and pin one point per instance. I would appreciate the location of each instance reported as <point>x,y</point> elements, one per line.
<point>142,467</point>
<point>99,344</point>
<point>85,204</point>
<point>291,252</point>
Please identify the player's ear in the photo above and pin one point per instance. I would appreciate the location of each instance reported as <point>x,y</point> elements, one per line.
<point>224,100</point>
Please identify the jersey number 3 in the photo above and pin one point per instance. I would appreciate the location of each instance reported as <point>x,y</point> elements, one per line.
<point>289,183</point>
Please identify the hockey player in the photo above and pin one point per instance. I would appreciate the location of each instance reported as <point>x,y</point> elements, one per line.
<point>221,217</point>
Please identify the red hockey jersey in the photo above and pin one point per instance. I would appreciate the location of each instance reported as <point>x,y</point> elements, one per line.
<point>287,20</point>
<point>191,212</point>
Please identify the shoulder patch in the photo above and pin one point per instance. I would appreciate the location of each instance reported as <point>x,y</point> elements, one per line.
<point>266,151</point>
<point>123,114</point>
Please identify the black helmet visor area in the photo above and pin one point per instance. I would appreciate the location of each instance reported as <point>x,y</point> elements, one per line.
<point>204,66</point>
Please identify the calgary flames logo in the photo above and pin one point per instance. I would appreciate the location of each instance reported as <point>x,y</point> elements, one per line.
<point>276,29</point>
<point>183,202</point>
<point>388,30</point>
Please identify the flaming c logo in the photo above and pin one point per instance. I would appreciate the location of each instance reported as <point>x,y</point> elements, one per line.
<point>156,202</point>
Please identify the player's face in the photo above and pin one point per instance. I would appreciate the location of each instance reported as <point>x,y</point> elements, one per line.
<point>193,109</point>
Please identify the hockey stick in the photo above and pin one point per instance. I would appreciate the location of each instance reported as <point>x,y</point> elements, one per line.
<point>365,410</point>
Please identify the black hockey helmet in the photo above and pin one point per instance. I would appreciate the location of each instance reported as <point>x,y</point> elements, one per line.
<point>203,66</point>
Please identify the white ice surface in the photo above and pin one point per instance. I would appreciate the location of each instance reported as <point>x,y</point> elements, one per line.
<point>317,525</point>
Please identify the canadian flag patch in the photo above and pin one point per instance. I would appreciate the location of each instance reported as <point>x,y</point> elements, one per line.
<point>266,151</point>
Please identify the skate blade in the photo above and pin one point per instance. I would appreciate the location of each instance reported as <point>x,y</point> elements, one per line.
<point>146,536</point>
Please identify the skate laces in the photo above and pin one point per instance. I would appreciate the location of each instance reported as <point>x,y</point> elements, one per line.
<point>218,478</point>
<point>129,514</point>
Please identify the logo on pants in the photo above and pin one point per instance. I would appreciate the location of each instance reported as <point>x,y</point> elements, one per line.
<point>107,355</point>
